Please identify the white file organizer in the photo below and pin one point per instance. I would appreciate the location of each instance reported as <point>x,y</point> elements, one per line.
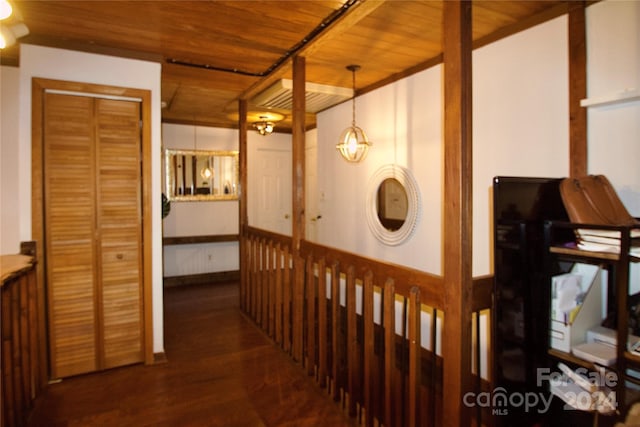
<point>576,305</point>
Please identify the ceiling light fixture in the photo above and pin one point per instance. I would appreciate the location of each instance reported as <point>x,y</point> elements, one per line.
<point>10,33</point>
<point>264,127</point>
<point>354,144</point>
<point>5,9</point>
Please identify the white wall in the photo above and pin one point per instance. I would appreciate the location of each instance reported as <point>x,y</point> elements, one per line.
<point>613,61</point>
<point>520,118</point>
<point>520,127</point>
<point>200,218</point>
<point>36,61</point>
<point>404,122</point>
<point>613,55</point>
<point>9,163</point>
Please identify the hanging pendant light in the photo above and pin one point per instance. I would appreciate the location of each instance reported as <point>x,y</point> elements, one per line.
<point>206,172</point>
<point>354,144</point>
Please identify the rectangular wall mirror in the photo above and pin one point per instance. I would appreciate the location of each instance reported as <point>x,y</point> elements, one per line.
<point>194,175</point>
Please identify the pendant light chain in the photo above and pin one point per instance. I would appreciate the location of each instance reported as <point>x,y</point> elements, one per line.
<point>353,99</point>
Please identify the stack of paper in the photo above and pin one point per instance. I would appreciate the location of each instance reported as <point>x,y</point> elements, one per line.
<point>606,241</point>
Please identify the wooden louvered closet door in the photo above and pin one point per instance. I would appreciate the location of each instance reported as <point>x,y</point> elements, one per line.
<point>93,232</point>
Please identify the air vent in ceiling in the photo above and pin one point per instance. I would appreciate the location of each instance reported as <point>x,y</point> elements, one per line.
<point>318,96</point>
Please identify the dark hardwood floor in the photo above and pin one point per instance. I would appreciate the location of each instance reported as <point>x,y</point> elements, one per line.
<point>221,371</point>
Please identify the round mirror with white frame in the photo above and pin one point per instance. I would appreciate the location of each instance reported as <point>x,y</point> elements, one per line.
<point>393,204</point>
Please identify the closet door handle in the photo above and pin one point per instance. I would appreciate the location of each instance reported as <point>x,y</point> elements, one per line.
<point>119,256</point>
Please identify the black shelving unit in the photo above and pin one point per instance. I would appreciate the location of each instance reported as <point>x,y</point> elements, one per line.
<point>618,306</point>
<point>521,205</point>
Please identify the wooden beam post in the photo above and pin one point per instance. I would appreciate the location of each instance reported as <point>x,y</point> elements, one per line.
<point>297,181</point>
<point>243,213</point>
<point>298,140</point>
<point>577,89</point>
<point>458,173</point>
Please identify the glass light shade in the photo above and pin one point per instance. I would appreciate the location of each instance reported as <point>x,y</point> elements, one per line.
<point>9,34</point>
<point>264,128</point>
<point>206,173</point>
<point>354,144</point>
<point>6,37</point>
<point>5,9</point>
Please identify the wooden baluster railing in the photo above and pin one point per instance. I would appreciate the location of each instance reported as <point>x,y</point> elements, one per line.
<point>264,320</point>
<point>432,378</point>
<point>25,343</point>
<point>311,316</point>
<point>369,350</point>
<point>278,295</point>
<point>251,277</point>
<point>257,259</point>
<point>380,376</point>
<point>36,373</point>
<point>18,400</point>
<point>335,330</point>
<point>272,288</point>
<point>415,353</point>
<point>298,309</point>
<point>352,342</point>
<point>389,321</point>
<point>8,391</point>
<point>244,257</point>
<point>403,372</point>
<point>287,300</point>
<point>322,323</point>
<point>22,373</point>
<point>257,300</point>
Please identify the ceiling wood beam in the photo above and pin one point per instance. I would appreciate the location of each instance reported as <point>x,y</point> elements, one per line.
<point>458,173</point>
<point>546,15</point>
<point>87,47</point>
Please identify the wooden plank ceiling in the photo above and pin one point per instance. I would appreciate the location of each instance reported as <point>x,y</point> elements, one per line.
<point>216,52</point>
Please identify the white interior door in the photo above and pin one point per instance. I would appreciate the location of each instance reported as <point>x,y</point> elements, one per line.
<point>273,191</point>
<point>313,214</point>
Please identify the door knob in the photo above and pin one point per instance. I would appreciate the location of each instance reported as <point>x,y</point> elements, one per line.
<point>316,218</point>
<point>286,216</point>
